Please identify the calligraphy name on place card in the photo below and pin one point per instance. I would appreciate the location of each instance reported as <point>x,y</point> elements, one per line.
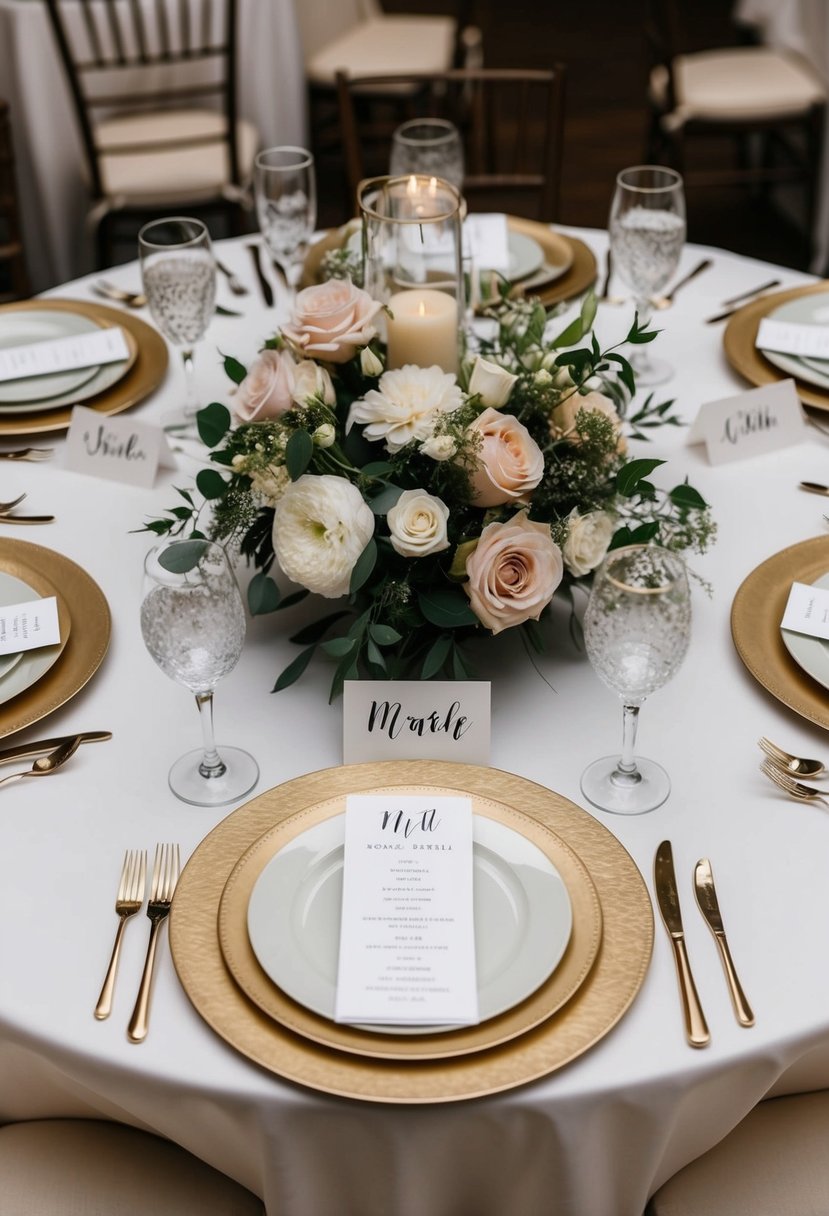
<point>764,419</point>
<point>117,449</point>
<point>416,720</point>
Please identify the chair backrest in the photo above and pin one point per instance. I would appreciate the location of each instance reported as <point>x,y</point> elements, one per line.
<point>321,21</point>
<point>511,120</point>
<point>14,281</point>
<point>139,57</point>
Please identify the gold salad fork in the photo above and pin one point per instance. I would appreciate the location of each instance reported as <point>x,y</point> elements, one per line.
<point>795,789</point>
<point>33,454</point>
<point>166,865</point>
<point>128,901</point>
<point>794,766</point>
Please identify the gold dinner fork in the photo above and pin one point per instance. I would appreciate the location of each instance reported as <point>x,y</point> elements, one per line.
<point>33,454</point>
<point>793,766</point>
<point>166,865</point>
<point>795,789</point>
<point>5,507</point>
<point>128,901</point>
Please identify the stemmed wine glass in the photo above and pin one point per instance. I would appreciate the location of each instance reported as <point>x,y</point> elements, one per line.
<point>178,271</point>
<point>647,232</point>
<point>636,630</point>
<point>285,190</point>
<point>193,625</point>
<point>431,146</point>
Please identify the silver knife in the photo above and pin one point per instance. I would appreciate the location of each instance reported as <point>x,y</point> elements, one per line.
<point>709,907</point>
<point>667,896</point>
<point>23,750</point>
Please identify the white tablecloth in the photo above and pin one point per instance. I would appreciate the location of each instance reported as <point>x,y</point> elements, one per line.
<point>47,142</point>
<point>591,1140</point>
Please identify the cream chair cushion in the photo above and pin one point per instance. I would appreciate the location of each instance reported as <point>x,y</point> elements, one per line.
<point>740,83</point>
<point>81,1167</point>
<point>158,177</point>
<point>383,46</point>
<point>774,1163</point>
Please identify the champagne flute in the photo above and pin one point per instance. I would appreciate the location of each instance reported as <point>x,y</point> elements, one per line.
<point>636,630</point>
<point>286,206</point>
<point>431,146</point>
<point>193,625</point>
<point>647,232</point>
<point>178,271</point>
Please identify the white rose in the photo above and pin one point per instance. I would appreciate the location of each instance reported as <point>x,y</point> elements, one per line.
<point>370,365</point>
<point>417,523</point>
<point>311,380</point>
<point>325,435</point>
<point>491,383</point>
<point>588,538</point>
<point>439,447</point>
<point>321,526</point>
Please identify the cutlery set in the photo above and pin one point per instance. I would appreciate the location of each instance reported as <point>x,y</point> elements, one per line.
<point>784,769</point>
<point>128,901</point>
<point>736,302</point>
<point>58,751</point>
<point>667,897</point>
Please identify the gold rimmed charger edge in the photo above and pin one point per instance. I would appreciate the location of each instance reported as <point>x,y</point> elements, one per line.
<point>143,376</point>
<point>87,642</point>
<point>550,996</point>
<point>756,614</point>
<point>604,997</point>
<point>741,334</point>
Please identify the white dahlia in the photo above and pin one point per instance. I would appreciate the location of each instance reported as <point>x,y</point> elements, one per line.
<point>321,526</point>
<point>406,404</point>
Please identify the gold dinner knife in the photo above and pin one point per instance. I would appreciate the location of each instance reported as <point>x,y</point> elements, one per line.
<point>709,907</point>
<point>667,896</point>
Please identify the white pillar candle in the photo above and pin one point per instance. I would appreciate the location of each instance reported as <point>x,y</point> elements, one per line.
<point>423,329</point>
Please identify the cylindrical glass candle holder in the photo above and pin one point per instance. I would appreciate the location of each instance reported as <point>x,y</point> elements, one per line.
<point>412,264</point>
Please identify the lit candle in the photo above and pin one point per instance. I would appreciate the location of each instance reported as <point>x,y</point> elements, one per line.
<point>423,329</point>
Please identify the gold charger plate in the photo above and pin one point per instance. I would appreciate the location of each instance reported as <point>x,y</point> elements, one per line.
<point>580,275</point>
<point>741,334</point>
<point>552,994</point>
<point>87,642</point>
<point>144,374</point>
<point>596,1007</point>
<point>755,627</point>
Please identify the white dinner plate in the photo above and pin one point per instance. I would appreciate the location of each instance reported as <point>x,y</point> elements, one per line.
<point>30,665</point>
<point>523,918</point>
<point>806,310</point>
<point>811,654</point>
<point>525,256</point>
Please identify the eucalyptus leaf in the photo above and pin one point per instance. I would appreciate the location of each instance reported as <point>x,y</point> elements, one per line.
<point>263,594</point>
<point>446,607</point>
<point>234,369</point>
<point>632,473</point>
<point>383,635</point>
<point>363,567</point>
<point>338,648</point>
<point>294,670</point>
<point>436,656</point>
<point>686,496</point>
<point>183,556</point>
<point>383,502</point>
<point>213,423</point>
<point>210,483</point>
<point>298,452</point>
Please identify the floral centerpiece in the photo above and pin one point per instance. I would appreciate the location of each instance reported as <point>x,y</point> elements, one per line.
<point>440,508</point>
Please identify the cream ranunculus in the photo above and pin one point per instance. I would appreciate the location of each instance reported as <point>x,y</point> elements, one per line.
<point>510,462</point>
<point>311,380</point>
<point>321,526</point>
<point>588,538</point>
<point>417,523</point>
<point>332,320</point>
<point>513,572</point>
<point>565,414</point>
<point>439,447</point>
<point>493,384</point>
<point>267,390</point>
<point>406,404</point>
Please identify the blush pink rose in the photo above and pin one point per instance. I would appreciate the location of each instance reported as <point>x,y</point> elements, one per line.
<point>330,321</point>
<point>513,572</point>
<point>510,462</point>
<point>267,389</point>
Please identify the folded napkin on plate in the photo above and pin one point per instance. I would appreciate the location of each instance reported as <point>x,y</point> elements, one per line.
<point>63,354</point>
<point>486,239</point>
<point>788,338</point>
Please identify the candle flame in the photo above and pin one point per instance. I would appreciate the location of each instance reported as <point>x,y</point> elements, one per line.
<point>421,309</point>
<point>433,187</point>
<point>412,187</point>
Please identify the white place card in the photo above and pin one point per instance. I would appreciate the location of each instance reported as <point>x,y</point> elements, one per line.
<point>807,611</point>
<point>30,625</point>
<point>486,239</point>
<point>416,720</point>
<point>407,939</point>
<point>118,449</point>
<point>63,354</point>
<point>761,420</point>
<point>788,338</point>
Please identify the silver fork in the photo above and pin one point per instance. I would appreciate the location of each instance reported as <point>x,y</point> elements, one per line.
<point>795,789</point>
<point>166,866</point>
<point>128,901</point>
<point>33,454</point>
<point>236,285</point>
<point>794,766</point>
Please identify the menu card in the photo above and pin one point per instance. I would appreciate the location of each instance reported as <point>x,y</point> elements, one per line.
<point>807,611</point>
<point>29,626</point>
<point>407,938</point>
<point>63,354</point>
<point>791,339</point>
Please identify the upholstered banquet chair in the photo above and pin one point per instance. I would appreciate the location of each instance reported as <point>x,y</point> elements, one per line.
<point>511,121</point>
<point>774,1163</point>
<point>14,280</point>
<point>82,1167</point>
<point>739,92</point>
<point>154,91</point>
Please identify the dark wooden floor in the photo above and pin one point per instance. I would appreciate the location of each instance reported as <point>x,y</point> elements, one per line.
<point>603,46</point>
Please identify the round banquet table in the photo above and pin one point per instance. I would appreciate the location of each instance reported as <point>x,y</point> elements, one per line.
<point>598,1136</point>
